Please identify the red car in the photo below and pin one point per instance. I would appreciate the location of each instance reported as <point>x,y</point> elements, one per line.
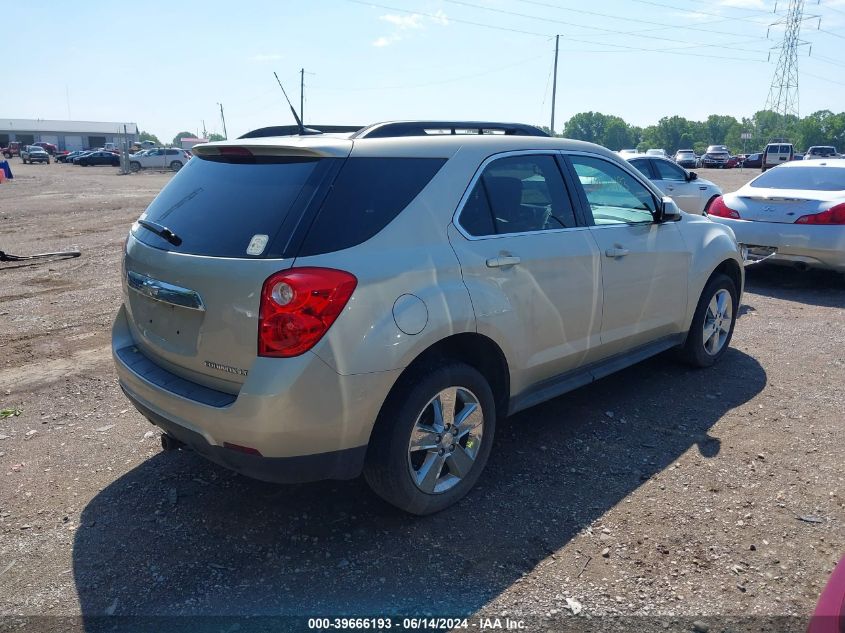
<point>829,616</point>
<point>14,149</point>
<point>734,161</point>
<point>47,147</point>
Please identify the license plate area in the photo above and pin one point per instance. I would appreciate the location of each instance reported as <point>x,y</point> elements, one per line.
<point>169,328</point>
<point>754,254</point>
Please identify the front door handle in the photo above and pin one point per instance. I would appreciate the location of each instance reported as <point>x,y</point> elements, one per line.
<point>504,260</point>
<point>616,252</point>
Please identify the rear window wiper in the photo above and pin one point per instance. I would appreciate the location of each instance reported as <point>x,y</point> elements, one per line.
<point>162,231</point>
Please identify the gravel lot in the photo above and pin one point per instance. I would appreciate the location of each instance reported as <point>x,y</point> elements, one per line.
<point>657,491</point>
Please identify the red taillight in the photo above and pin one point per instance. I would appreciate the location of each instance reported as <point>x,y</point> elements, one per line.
<point>720,209</point>
<point>834,215</point>
<point>298,306</point>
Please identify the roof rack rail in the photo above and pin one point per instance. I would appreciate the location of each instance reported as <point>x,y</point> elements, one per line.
<point>293,130</point>
<point>431,128</point>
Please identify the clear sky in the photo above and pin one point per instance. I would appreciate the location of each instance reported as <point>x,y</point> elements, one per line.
<point>166,65</point>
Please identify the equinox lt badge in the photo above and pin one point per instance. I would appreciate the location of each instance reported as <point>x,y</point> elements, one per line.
<point>227,368</point>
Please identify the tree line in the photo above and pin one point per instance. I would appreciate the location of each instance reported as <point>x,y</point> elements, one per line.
<point>147,136</point>
<point>675,132</point>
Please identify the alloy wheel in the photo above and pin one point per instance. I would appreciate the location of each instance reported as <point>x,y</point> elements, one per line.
<point>445,440</point>
<point>717,321</point>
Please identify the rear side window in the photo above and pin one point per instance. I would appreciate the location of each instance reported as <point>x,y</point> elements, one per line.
<point>518,194</point>
<point>643,166</point>
<point>669,171</point>
<point>223,209</point>
<point>366,195</point>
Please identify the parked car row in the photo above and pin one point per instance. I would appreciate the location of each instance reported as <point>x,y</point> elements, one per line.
<point>719,157</point>
<point>155,158</point>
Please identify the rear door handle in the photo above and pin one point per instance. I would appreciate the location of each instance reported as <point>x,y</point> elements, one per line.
<point>498,262</point>
<point>616,252</point>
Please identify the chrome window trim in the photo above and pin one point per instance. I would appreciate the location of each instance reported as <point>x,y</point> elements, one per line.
<point>477,175</point>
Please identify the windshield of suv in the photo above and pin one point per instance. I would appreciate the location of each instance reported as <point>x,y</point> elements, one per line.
<point>822,151</point>
<point>218,208</point>
<point>810,178</point>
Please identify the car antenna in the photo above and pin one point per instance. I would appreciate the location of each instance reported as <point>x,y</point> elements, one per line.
<point>302,130</point>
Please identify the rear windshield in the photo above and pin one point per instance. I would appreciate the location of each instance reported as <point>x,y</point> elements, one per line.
<point>224,209</point>
<point>811,178</point>
<point>822,151</point>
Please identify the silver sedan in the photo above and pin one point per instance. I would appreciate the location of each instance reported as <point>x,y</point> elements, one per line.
<point>797,208</point>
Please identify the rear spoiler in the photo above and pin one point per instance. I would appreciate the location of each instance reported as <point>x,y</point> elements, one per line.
<point>293,130</point>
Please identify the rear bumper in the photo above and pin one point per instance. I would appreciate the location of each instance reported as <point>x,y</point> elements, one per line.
<point>307,421</point>
<point>342,464</point>
<point>819,246</point>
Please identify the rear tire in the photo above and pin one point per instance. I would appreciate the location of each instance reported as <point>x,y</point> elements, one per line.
<point>175,165</point>
<point>712,326</point>
<point>400,473</point>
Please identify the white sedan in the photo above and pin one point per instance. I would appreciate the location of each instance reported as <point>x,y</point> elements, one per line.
<point>690,193</point>
<point>797,208</point>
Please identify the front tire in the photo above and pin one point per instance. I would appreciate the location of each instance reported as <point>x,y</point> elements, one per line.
<point>134,166</point>
<point>712,326</point>
<point>175,165</point>
<point>432,439</point>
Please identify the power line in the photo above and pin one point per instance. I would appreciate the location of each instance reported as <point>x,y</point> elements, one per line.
<point>838,83</point>
<point>666,51</point>
<point>841,37</point>
<point>832,8</point>
<point>583,26</point>
<point>696,11</point>
<point>629,19</point>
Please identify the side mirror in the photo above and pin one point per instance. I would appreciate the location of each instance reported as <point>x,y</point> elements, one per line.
<point>669,211</point>
<point>692,176</point>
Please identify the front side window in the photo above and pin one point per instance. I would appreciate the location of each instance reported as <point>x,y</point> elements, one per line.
<point>614,195</point>
<point>518,194</point>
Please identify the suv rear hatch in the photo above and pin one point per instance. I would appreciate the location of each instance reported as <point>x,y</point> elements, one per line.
<point>198,256</point>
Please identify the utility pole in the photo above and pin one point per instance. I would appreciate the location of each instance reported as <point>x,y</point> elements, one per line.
<point>783,93</point>
<point>204,132</point>
<point>554,85</point>
<point>302,94</point>
<point>223,118</point>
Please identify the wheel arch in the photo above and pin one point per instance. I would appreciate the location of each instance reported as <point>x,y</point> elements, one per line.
<point>732,270</point>
<point>476,350</point>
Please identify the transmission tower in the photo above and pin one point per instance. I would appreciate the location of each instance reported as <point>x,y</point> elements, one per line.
<point>783,95</point>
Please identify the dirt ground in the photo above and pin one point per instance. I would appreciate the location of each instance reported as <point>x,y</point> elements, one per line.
<point>658,491</point>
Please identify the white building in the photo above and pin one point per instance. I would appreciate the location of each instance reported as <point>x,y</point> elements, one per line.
<point>66,135</point>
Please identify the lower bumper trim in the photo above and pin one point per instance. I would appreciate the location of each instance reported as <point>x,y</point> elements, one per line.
<point>343,464</point>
